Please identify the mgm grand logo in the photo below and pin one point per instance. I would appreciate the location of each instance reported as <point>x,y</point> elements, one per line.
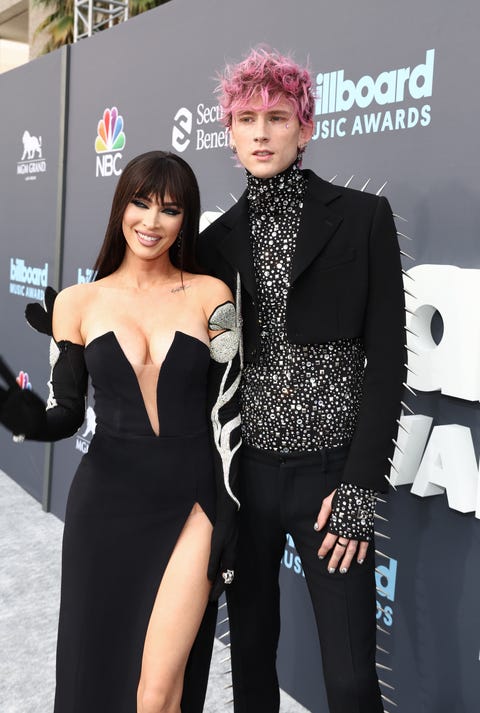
<point>32,162</point>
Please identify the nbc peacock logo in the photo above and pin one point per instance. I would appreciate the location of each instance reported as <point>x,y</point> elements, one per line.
<point>109,142</point>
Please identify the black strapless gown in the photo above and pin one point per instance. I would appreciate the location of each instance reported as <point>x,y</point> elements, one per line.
<point>129,500</point>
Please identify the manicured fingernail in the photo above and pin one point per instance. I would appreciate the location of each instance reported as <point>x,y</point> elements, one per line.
<point>360,561</point>
<point>315,527</point>
<point>320,557</point>
<point>331,570</point>
<point>343,570</point>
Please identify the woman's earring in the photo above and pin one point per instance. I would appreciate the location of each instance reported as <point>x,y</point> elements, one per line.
<point>234,148</point>
<point>180,239</point>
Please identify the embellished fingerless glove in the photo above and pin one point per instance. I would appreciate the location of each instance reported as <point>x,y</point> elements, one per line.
<point>353,512</point>
<point>224,408</point>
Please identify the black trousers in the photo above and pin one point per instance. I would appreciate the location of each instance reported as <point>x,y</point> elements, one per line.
<point>281,494</point>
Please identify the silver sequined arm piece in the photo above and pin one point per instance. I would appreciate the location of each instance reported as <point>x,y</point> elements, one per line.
<point>353,512</point>
<point>224,380</point>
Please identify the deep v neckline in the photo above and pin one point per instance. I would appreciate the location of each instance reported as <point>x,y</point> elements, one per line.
<point>131,366</point>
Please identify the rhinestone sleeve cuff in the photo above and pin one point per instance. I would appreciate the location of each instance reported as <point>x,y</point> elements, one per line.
<point>353,512</point>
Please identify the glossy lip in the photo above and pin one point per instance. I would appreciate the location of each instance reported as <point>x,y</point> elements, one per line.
<point>147,239</point>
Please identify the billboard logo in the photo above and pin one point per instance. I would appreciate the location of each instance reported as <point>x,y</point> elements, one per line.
<point>182,128</point>
<point>32,161</point>
<point>109,142</point>
<point>291,560</point>
<point>26,281</point>
<point>335,94</point>
<point>82,442</point>
<point>87,275</point>
<point>385,579</point>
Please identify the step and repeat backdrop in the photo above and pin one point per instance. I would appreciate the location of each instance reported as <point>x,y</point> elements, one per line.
<point>396,111</point>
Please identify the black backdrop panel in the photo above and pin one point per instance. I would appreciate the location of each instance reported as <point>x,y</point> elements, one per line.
<point>29,121</point>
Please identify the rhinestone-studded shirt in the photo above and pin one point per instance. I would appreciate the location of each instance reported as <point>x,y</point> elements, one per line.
<point>295,397</point>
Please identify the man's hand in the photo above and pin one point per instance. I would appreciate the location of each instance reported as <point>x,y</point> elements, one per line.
<point>343,549</point>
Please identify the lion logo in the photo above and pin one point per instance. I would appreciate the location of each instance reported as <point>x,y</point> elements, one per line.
<point>31,145</point>
<point>90,423</point>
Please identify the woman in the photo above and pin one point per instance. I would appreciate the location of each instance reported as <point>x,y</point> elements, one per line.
<point>142,507</point>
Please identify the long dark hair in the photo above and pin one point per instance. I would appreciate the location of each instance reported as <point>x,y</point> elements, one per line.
<point>153,174</point>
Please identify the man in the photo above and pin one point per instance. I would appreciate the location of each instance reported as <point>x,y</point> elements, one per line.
<point>323,336</point>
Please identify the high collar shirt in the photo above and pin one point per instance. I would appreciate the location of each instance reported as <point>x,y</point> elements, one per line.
<point>295,398</point>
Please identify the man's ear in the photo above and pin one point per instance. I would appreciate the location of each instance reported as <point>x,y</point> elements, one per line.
<point>306,133</point>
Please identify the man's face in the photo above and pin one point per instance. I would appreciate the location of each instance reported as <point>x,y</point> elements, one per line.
<point>267,140</point>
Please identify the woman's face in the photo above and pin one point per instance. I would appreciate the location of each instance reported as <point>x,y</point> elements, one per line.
<point>151,228</point>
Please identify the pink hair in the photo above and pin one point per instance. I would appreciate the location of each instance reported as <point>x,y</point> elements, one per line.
<point>270,76</point>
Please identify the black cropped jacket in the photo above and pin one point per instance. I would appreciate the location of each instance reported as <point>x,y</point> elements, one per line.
<point>346,282</point>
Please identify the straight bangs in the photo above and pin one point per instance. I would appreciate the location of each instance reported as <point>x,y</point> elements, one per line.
<point>163,180</point>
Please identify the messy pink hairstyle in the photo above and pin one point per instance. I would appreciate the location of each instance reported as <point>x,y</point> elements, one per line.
<point>271,76</point>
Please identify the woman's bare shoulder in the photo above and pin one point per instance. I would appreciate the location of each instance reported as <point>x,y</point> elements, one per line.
<point>213,290</point>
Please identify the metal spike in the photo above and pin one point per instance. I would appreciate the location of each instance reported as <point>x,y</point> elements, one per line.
<point>407,292</point>
<point>402,426</point>
<point>381,188</point>
<point>229,685</point>
<point>390,482</point>
<point>382,554</point>
<point>404,272</point>
<point>225,673</point>
<point>381,665</point>
<point>227,658</point>
<point>384,631</point>
<point>222,605</point>
<point>380,534</point>
<point>232,196</point>
<point>402,252</point>
<point>222,210</point>
<point>379,607</point>
<point>396,215</point>
<point>349,181</point>
<point>384,651</point>
<point>365,184</point>
<point>414,314</point>
<point>223,621</point>
<point>387,685</point>
<point>409,349</point>
<point>407,329</point>
<point>227,633</point>
<point>389,701</point>
<point>229,702</point>
<point>408,408</point>
<point>379,499</point>
<point>409,388</point>
<point>397,446</point>
<point>380,517</point>
<point>402,235</point>
<point>410,369</point>
<point>394,467</point>
<point>333,178</point>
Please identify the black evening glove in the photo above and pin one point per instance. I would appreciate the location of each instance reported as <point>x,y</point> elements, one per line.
<point>40,318</point>
<point>27,416</point>
<point>224,408</point>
